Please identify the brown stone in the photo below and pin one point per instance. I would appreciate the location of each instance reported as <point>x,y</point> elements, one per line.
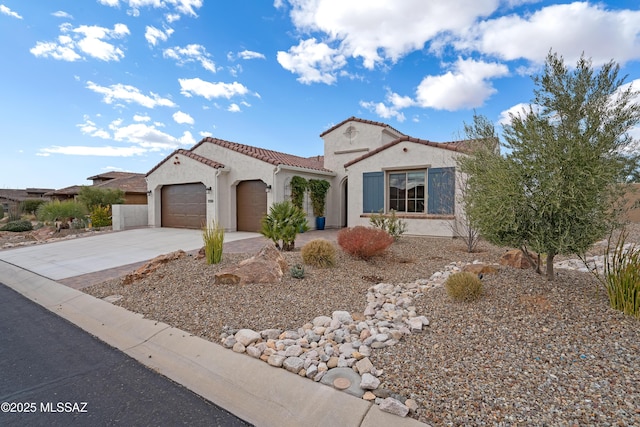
<point>480,268</point>
<point>152,266</point>
<point>515,258</point>
<point>267,266</point>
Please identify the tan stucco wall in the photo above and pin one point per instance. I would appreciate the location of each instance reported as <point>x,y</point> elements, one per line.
<point>405,155</point>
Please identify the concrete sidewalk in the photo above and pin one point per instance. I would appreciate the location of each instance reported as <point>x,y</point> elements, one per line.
<point>246,387</point>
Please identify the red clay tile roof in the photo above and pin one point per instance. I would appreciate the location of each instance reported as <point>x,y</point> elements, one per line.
<point>194,156</point>
<point>272,157</point>
<point>453,146</point>
<point>356,119</point>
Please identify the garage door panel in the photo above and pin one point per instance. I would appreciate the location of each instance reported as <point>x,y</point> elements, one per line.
<point>184,205</point>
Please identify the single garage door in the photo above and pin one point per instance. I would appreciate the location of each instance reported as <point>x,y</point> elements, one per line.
<point>251,205</point>
<point>184,206</point>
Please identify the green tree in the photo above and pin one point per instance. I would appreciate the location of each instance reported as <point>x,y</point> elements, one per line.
<point>283,223</point>
<point>64,212</point>
<point>92,197</point>
<point>556,189</point>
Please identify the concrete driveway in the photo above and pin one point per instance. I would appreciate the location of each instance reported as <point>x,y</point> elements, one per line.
<point>83,255</point>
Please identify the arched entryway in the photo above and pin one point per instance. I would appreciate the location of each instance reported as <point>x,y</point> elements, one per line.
<point>251,205</point>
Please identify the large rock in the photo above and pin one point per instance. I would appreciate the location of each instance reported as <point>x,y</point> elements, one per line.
<point>480,268</point>
<point>152,266</point>
<point>516,259</point>
<point>267,266</point>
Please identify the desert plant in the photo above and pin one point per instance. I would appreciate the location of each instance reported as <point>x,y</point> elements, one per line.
<point>17,226</point>
<point>463,286</point>
<point>92,197</point>
<point>298,188</point>
<point>319,253</point>
<point>1,211</point>
<point>61,211</point>
<point>213,236</point>
<point>30,206</point>
<point>14,213</point>
<point>297,271</point>
<point>100,216</point>
<point>621,276</point>
<point>389,223</point>
<point>318,192</point>
<point>283,223</point>
<point>364,242</point>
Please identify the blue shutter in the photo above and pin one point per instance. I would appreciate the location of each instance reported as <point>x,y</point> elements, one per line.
<point>441,191</point>
<point>372,192</point>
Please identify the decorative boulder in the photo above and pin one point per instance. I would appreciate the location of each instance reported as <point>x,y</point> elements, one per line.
<point>516,259</point>
<point>480,268</point>
<point>267,266</point>
<point>152,266</point>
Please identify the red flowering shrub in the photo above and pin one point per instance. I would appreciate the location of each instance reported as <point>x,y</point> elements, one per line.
<point>364,242</point>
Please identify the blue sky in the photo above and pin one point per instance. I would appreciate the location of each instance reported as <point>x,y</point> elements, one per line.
<point>92,86</point>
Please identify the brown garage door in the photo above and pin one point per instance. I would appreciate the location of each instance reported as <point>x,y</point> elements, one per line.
<point>251,204</point>
<point>184,205</point>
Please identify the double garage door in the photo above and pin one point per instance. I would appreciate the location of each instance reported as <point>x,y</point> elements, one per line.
<point>185,205</point>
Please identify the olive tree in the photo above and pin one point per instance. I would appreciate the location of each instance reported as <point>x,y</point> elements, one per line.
<point>555,189</point>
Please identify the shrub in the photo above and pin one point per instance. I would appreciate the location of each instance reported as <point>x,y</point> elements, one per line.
<point>389,223</point>
<point>283,223</point>
<point>30,206</point>
<point>463,286</point>
<point>297,271</point>
<point>61,211</point>
<point>17,226</point>
<point>622,276</point>
<point>1,211</point>
<point>100,216</point>
<point>14,213</point>
<point>364,242</point>
<point>213,237</point>
<point>92,197</point>
<point>319,253</point>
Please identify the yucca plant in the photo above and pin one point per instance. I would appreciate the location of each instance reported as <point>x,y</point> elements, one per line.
<point>622,276</point>
<point>213,237</point>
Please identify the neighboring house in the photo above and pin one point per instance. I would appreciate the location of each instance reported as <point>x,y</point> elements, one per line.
<point>11,199</point>
<point>371,166</point>
<point>134,186</point>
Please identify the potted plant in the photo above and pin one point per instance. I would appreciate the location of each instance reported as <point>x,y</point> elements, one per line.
<point>318,192</point>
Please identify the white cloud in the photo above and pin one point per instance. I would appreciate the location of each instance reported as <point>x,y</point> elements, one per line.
<point>150,138</point>
<point>183,118</point>
<point>141,118</point>
<point>383,110</point>
<point>234,108</point>
<point>6,11</point>
<point>62,14</point>
<point>79,150</point>
<point>89,40</point>
<point>314,62</point>
<point>129,94</point>
<point>569,29</point>
<point>191,53</point>
<point>153,34</point>
<point>172,17</point>
<point>205,134</point>
<point>385,30</point>
<point>467,85</point>
<point>208,90</point>
<point>184,7</point>
<point>248,54</point>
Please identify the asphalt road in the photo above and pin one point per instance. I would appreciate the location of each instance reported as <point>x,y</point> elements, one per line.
<point>54,374</point>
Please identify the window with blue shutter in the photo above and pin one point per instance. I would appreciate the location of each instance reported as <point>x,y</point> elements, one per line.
<point>441,191</point>
<point>372,192</point>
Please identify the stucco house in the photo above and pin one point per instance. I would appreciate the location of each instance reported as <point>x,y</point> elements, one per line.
<point>371,166</point>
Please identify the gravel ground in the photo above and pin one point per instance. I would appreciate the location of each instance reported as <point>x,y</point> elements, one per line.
<point>529,352</point>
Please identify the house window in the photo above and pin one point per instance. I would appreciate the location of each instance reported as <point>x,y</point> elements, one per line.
<point>406,191</point>
<point>430,191</point>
